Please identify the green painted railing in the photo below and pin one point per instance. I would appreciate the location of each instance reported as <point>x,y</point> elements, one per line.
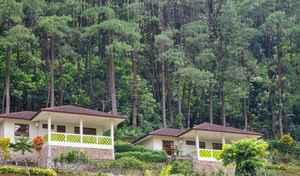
<point>75,138</point>
<point>208,153</point>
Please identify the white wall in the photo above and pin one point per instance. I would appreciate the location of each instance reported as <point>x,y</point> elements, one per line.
<point>1,129</point>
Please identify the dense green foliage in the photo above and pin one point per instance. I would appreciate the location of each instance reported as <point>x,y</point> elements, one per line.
<point>248,155</point>
<point>121,147</point>
<point>129,150</point>
<point>169,63</point>
<point>22,172</point>
<point>183,167</point>
<point>72,157</point>
<point>154,156</point>
<point>4,147</point>
<point>123,163</point>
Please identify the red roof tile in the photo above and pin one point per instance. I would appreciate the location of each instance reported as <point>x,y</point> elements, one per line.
<point>220,128</point>
<point>171,132</point>
<point>23,115</point>
<point>167,132</point>
<point>80,110</point>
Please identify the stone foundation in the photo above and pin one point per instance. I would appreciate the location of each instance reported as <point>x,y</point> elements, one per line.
<point>208,167</point>
<point>94,154</point>
<point>41,159</point>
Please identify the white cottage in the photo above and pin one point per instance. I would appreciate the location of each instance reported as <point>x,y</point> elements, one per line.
<point>65,128</point>
<point>202,142</point>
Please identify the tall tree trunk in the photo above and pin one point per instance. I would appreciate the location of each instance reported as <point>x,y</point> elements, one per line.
<point>52,97</point>
<point>211,118</point>
<point>112,83</point>
<point>245,113</point>
<point>135,90</point>
<point>163,82</point>
<point>280,90</point>
<point>222,99</point>
<point>7,80</point>
<point>189,107</point>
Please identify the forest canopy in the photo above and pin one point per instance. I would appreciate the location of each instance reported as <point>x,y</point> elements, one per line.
<point>162,63</point>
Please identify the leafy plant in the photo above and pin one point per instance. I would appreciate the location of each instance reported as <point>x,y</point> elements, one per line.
<point>248,155</point>
<point>4,146</point>
<point>72,157</point>
<point>123,163</point>
<point>184,167</point>
<point>150,156</point>
<point>22,171</point>
<point>166,171</point>
<point>23,145</point>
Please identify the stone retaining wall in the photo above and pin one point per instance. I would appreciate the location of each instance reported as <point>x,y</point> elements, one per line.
<point>208,167</point>
<point>94,154</point>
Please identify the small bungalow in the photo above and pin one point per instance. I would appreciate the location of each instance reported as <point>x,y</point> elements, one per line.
<point>65,128</point>
<point>202,142</point>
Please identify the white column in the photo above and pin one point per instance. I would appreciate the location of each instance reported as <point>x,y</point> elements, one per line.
<point>49,142</point>
<point>81,131</point>
<point>223,141</point>
<point>112,140</point>
<point>49,130</point>
<point>197,147</point>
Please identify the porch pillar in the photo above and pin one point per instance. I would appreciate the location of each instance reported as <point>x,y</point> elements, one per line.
<point>197,147</point>
<point>112,140</point>
<point>223,141</point>
<point>49,130</point>
<point>81,131</point>
<point>49,143</point>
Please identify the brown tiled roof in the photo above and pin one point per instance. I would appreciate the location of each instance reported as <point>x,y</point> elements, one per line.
<point>23,115</point>
<point>220,128</point>
<point>167,132</point>
<point>80,110</point>
<point>170,132</point>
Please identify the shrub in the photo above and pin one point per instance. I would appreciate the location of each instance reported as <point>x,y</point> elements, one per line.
<point>248,155</point>
<point>124,163</point>
<point>183,167</point>
<point>4,147</point>
<point>166,171</point>
<point>287,139</point>
<point>22,171</point>
<point>121,147</point>
<point>153,156</point>
<point>72,157</point>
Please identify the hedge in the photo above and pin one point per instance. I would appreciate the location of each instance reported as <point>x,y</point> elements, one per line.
<point>22,171</point>
<point>123,163</point>
<point>148,156</point>
<point>121,147</point>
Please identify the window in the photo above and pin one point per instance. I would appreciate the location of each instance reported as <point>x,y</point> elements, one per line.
<point>190,143</point>
<point>60,128</point>
<point>86,131</point>
<point>202,145</point>
<point>22,130</point>
<point>217,146</point>
<point>45,126</point>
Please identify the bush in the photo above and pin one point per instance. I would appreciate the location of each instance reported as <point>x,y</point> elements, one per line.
<point>123,163</point>
<point>22,171</point>
<point>248,155</point>
<point>72,157</point>
<point>121,147</point>
<point>4,147</point>
<point>153,156</point>
<point>183,167</point>
<point>166,171</point>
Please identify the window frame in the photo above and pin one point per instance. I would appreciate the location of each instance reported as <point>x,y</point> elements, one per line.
<point>21,135</point>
